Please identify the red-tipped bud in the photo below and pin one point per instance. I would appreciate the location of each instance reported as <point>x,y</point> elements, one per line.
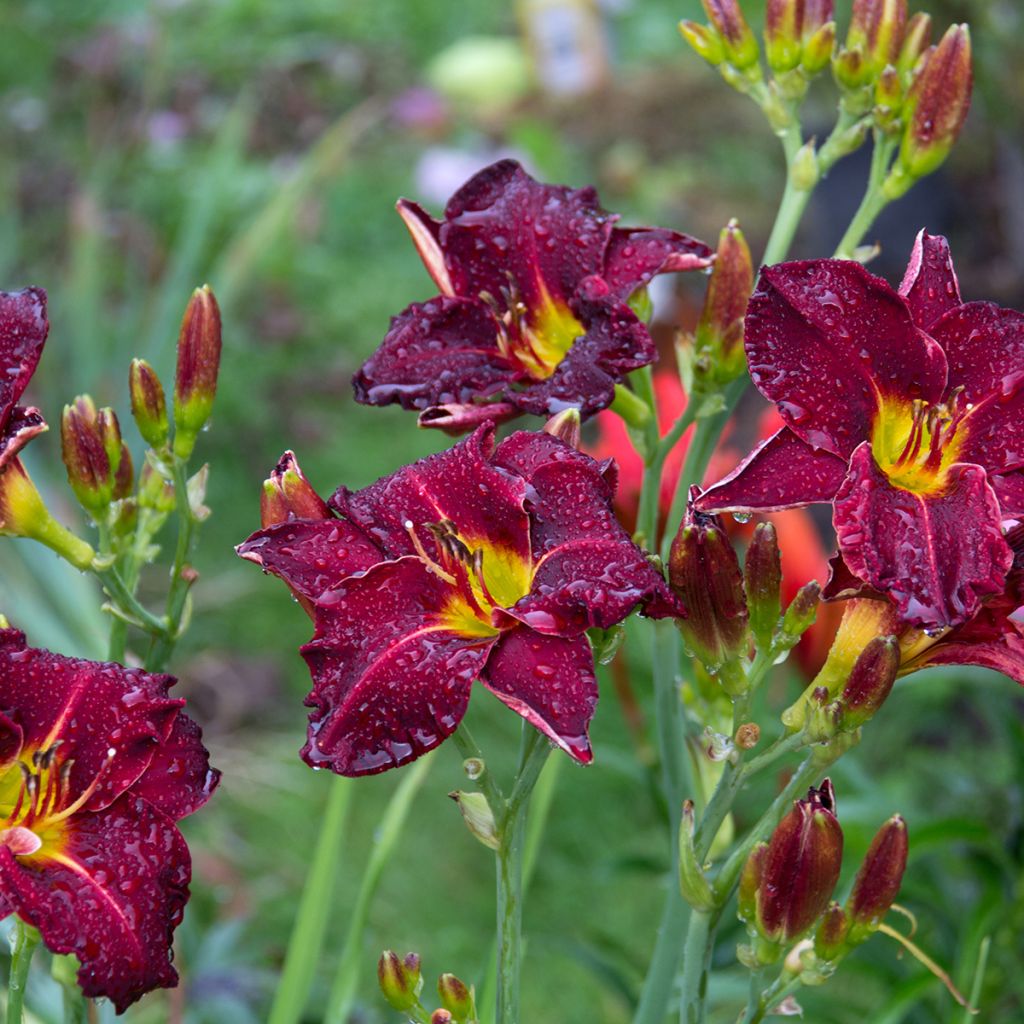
<point>399,978</point>
<point>441,1016</point>
<point>850,69</point>
<point>456,419</point>
<point>938,100</point>
<point>800,614</point>
<point>801,867</point>
<point>456,997</point>
<point>720,328</point>
<point>870,681</point>
<point>195,383</point>
<point>830,938</point>
<point>705,573</point>
<point>888,99</point>
<point>24,514</point>
<point>125,475</point>
<point>287,495</point>
<point>816,15</point>
<point>878,881</point>
<point>91,447</point>
<point>915,42</point>
<point>782,34</point>
<point>705,41</point>
<point>876,28</point>
<point>818,48</point>
<point>149,407</point>
<point>762,579</point>
<point>566,426</point>
<point>750,883</point>
<point>741,49</point>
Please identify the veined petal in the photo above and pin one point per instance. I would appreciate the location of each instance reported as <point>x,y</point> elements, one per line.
<point>984,345</point>
<point>90,708</point>
<point>435,353</point>
<point>844,584</point>
<point>936,555</point>
<point>179,779</point>
<point>311,555</point>
<point>1009,488</point>
<point>23,330</point>
<point>21,426</point>
<point>930,287</point>
<point>460,484</point>
<point>390,682</point>
<point>636,255</point>
<point>503,223</point>
<point>113,898</point>
<point>782,472</point>
<point>615,343</point>
<point>426,236</point>
<point>587,571</point>
<point>550,681</point>
<point>827,342</point>
<point>526,451</point>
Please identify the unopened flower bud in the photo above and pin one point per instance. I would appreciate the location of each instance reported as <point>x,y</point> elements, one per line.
<point>801,867</point>
<point>156,493</point>
<point>762,579</point>
<point>287,495</point>
<point>195,383</point>
<point>803,172</point>
<point>800,614</point>
<point>456,419</point>
<point>878,881</point>
<point>741,49</point>
<point>565,426</point>
<point>938,102</point>
<point>750,883</point>
<point>915,42</point>
<point>720,328</point>
<point>782,35</point>
<point>870,682</point>
<point>24,514</point>
<point>693,883</point>
<point>149,407</point>
<point>399,978</point>
<point>441,1016</point>
<point>704,572</point>
<point>818,49</point>
<point>705,41</point>
<point>91,447</point>
<point>456,997</point>
<point>479,818</point>
<point>124,478</point>
<point>876,28</point>
<point>830,938</point>
<point>888,99</point>
<point>850,69</point>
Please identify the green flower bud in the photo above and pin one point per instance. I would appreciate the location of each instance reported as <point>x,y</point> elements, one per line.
<point>478,816</point>
<point>878,881</point>
<point>782,35</point>
<point>287,495</point>
<point>870,682</point>
<point>565,426</point>
<point>91,446</point>
<point>830,938</point>
<point>400,980</point>
<point>149,407</point>
<point>741,49</point>
<point>195,384</point>
<point>693,882</point>
<point>705,41</point>
<point>456,998</point>
<point>915,43</point>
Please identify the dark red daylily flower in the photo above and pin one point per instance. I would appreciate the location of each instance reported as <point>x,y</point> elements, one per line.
<point>97,764</point>
<point>23,330</point>
<point>482,562</point>
<point>904,410</point>
<point>532,315</point>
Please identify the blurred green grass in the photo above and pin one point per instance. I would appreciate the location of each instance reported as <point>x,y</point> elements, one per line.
<point>145,149</point>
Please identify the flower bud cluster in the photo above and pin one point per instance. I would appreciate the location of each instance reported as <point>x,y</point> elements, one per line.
<point>401,983</point>
<point>786,887</point>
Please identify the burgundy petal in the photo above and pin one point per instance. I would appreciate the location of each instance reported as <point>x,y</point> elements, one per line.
<point>460,484</point>
<point>1009,488</point>
<point>426,236</point>
<point>113,898</point>
<point>984,345</point>
<point>21,426</point>
<point>844,584</point>
<point>550,681</point>
<point>826,341</point>
<point>615,343</point>
<point>526,451</point>
<point>435,353</point>
<point>935,555</point>
<point>179,779</point>
<point>930,287</point>
<point>23,330</point>
<point>311,555</point>
<point>636,255</point>
<point>782,472</point>
<point>390,682</point>
<point>503,224</point>
<point>91,708</point>
<point>587,571</point>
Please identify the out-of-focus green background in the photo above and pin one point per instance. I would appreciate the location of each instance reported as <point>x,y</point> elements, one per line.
<point>147,148</point>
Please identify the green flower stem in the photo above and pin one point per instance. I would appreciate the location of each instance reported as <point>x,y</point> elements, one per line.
<point>23,945</point>
<point>760,1003</point>
<point>306,940</point>
<point>874,200</point>
<point>793,204</point>
<point>181,580</point>
<point>696,967</point>
<point>128,604</point>
<point>534,752</point>
<point>388,834</point>
<point>649,451</point>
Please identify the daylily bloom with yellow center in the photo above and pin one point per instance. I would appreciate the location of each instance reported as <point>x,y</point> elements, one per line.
<point>533,314</point>
<point>484,562</point>
<point>905,411</point>
<point>97,764</point>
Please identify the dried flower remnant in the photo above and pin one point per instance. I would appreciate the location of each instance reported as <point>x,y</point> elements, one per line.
<point>533,315</point>
<point>97,764</point>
